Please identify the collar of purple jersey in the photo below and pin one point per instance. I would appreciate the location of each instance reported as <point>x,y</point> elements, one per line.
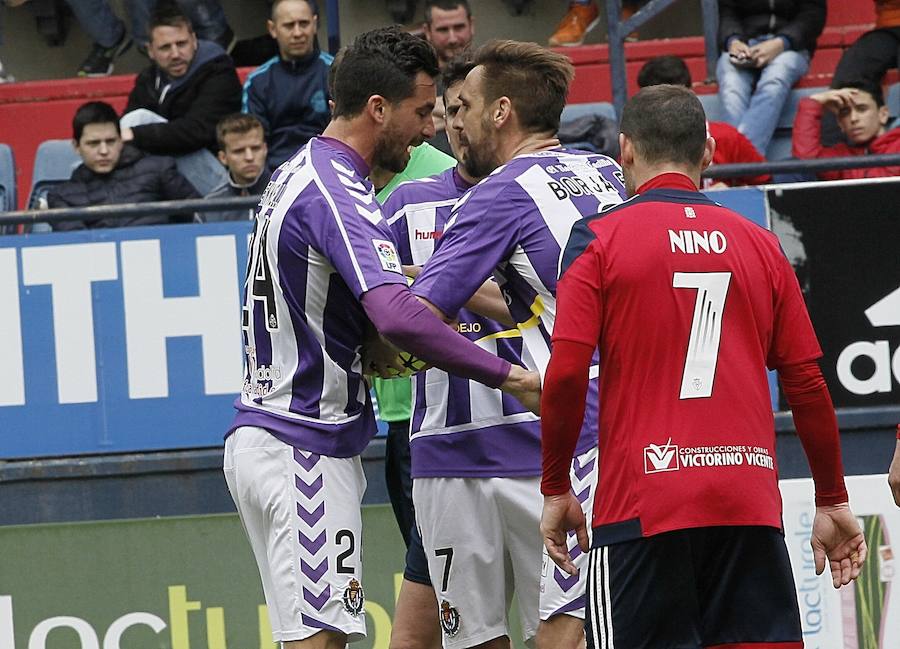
<point>359,165</point>
<point>461,183</point>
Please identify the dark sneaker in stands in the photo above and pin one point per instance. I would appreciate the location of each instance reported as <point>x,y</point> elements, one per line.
<point>99,62</point>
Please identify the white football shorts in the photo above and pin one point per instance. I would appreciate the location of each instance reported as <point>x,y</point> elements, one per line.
<point>560,593</point>
<point>301,513</point>
<point>483,543</point>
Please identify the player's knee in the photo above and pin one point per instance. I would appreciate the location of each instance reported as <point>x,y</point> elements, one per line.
<point>321,640</point>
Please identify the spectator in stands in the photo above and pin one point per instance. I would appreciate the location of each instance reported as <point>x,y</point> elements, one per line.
<point>861,116</point>
<point>767,45</point>
<point>731,145</point>
<point>289,93</point>
<point>242,149</point>
<point>582,17</point>
<point>113,172</point>
<point>868,59</point>
<point>111,39</point>
<point>875,52</point>
<point>178,100</point>
<point>449,27</point>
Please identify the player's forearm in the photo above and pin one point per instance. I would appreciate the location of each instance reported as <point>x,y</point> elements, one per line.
<point>562,412</point>
<point>816,425</point>
<point>489,302</point>
<point>408,324</point>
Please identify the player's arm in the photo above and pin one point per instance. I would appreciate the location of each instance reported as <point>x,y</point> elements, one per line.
<point>894,471</point>
<point>480,235</point>
<point>575,335</point>
<point>488,301</point>
<point>836,534</point>
<point>410,325</point>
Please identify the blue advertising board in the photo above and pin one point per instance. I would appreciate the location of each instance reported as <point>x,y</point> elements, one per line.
<point>120,340</point>
<point>129,339</point>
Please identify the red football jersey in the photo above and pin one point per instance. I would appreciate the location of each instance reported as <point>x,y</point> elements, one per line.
<point>689,303</point>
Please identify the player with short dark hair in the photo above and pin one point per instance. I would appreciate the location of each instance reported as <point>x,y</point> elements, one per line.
<point>689,303</point>
<point>512,225</point>
<point>322,268</point>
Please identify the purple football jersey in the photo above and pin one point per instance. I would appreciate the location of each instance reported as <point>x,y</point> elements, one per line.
<point>319,243</point>
<point>460,428</point>
<point>514,225</point>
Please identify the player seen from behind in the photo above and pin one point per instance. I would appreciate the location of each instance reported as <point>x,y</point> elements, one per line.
<point>689,303</point>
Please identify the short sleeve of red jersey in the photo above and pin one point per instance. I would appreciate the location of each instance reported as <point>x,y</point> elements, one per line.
<point>579,307</point>
<point>793,337</point>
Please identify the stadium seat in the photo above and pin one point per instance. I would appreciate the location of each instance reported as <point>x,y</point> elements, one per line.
<point>7,179</point>
<point>713,107</point>
<point>892,100</point>
<point>574,111</point>
<point>54,162</point>
<point>779,146</point>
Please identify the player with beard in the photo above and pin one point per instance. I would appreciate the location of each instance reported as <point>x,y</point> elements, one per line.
<point>321,266</point>
<point>513,225</point>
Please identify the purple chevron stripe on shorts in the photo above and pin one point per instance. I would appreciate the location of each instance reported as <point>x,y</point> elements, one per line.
<point>565,581</point>
<point>314,573</point>
<point>576,552</point>
<point>316,624</point>
<point>581,472</point>
<point>312,545</point>
<point>584,495</point>
<point>313,517</point>
<point>318,601</point>
<point>574,605</point>
<point>308,490</point>
<point>306,462</point>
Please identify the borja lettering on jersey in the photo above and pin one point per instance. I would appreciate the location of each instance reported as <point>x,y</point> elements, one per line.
<point>692,242</point>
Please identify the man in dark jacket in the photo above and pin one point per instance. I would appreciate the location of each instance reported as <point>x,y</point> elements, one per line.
<point>766,47</point>
<point>113,172</point>
<point>191,85</point>
<point>289,93</point>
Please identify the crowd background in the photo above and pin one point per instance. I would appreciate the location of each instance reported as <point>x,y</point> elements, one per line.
<point>27,56</point>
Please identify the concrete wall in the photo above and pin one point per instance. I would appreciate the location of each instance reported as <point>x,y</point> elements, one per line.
<point>26,55</point>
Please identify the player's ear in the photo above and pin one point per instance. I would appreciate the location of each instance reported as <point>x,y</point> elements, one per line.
<point>626,147</point>
<point>709,150</point>
<point>501,111</point>
<point>376,108</point>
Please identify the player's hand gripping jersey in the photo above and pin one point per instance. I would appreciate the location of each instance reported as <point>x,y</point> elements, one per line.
<point>460,428</point>
<point>311,259</point>
<point>686,300</point>
<point>514,224</point>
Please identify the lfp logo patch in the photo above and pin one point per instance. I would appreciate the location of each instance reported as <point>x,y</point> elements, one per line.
<point>387,254</point>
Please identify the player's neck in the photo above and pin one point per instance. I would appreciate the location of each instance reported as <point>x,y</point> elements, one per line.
<point>348,133</point>
<point>643,175</point>
<point>528,143</point>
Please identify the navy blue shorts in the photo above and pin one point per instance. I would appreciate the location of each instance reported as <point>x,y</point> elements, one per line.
<point>728,587</point>
<point>399,486</point>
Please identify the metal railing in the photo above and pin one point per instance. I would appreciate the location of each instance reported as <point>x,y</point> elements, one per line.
<point>619,30</point>
<point>201,205</point>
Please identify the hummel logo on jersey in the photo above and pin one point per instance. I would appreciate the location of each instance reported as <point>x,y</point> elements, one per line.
<point>661,458</point>
<point>692,242</point>
<point>424,235</point>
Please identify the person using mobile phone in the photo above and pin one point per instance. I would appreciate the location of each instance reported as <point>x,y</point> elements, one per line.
<point>766,48</point>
